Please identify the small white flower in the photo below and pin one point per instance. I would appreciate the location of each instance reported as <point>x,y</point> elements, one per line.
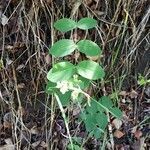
<point>75,94</point>
<point>75,76</point>
<point>70,85</point>
<point>63,86</point>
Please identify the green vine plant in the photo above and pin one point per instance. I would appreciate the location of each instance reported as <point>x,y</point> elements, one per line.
<point>68,82</point>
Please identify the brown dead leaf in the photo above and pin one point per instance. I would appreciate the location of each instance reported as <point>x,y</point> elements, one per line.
<point>21,85</point>
<point>138,134</point>
<point>94,58</point>
<point>34,130</point>
<point>99,13</point>
<point>76,56</point>
<point>48,59</point>
<point>20,67</point>
<point>133,94</point>
<point>123,100</point>
<point>123,93</point>
<point>7,125</point>
<point>35,144</point>
<point>43,144</point>
<point>118,134</point>
<point>9,47</point>
<point>88,2</point>
<point>49,1</point>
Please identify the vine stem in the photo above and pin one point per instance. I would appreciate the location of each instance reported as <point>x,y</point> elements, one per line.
<point>109,125</point>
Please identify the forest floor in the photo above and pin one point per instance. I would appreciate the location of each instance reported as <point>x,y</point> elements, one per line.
<point>29,118</point>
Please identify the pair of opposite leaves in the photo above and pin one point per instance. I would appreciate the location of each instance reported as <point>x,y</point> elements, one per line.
<point>66,24</point>
<point>66,46</point>
<point>65,70</point>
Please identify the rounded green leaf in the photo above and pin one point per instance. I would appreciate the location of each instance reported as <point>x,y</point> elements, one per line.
<point>90,70</point>
<point>89,48</point>
<point>62,48</point>
<point>86,23</point>
<point>61,71</point>
<point>65,24</point>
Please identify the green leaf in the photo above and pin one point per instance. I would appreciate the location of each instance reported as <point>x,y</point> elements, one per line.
<point>51,87</point>
<point>80,82</point>
<point>89,48</point>
<point>86,23</point>
<point>94,107</point>
<point>77,140</point>
<point>61,71</point>
<point>90,70</point>
<point>95,123</point>
<point>86,83</point>
<point>75,147</point>
<point>97,133</point>
<point>82,116</point>
<point>102,121</point>
<point>62,48</point>
<point>116,112</point>
<point>64,98</point>
<point>65,25</point>
<point>106,102</point>
<point>90,122</point>
<point>108,106</point>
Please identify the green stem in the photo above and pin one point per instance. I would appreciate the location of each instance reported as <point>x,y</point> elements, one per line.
<point>65,119</point>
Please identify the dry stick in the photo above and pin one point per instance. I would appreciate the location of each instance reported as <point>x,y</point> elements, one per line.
<point>141,28</point>
<point>52,97</point>
<point>48,135</point>
<point>113,20</point>
<point>3,46</point>
<point>138,33</point>
<point>136,36</point>
<point>37,38</point>
<point>75,8</point>
<point>122,35</point>
<point>10,104</point>
<point>20,114</point>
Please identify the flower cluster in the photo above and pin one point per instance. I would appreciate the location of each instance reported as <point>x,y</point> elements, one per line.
<point>65,86</point>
